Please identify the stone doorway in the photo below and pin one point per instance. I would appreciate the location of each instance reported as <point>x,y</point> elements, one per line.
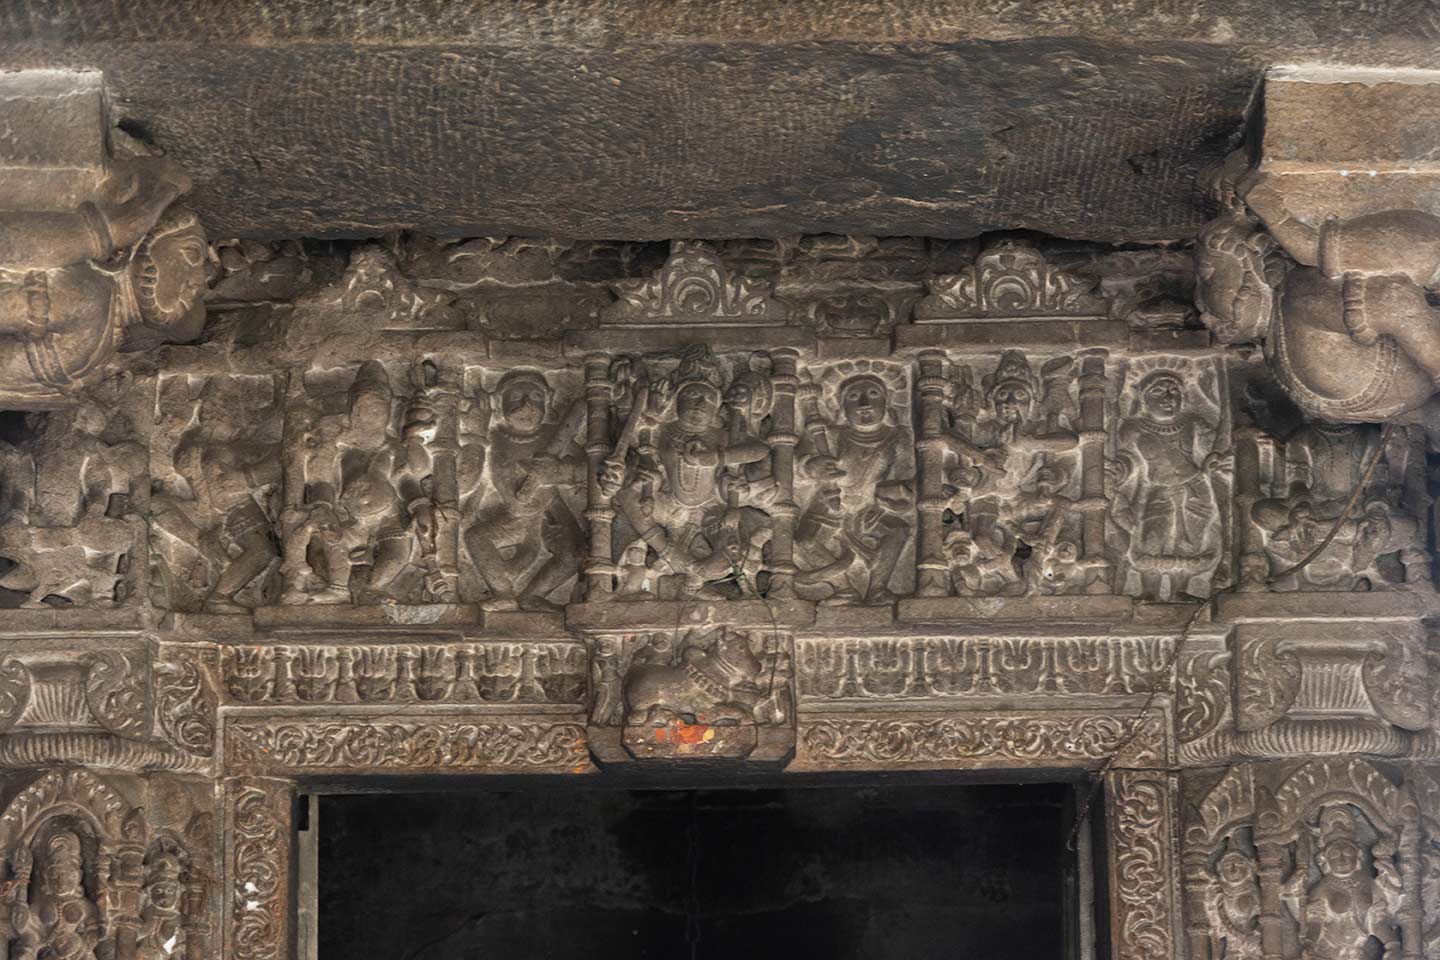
<point>833,867</point>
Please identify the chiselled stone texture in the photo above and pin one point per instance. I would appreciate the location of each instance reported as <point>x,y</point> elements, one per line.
<point>739,119</point>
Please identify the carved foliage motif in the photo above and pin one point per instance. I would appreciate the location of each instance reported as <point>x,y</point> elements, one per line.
<point>519,671</point>
<point>421,744</point>
<point>1143,874</point>
<point>1005,740</point>
<point>694,286</point>
<point>259,869</point>
<point>185,700</point>
<point>1009,279</point>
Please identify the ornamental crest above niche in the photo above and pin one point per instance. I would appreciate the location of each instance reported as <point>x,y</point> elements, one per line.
<point>694,286</point>
<point>1010,278</point>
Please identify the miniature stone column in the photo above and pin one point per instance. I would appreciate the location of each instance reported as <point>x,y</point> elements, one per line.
<point>600,567</point>
<point>1092,451</point>
<point>932,577</point>
<point>1251,565</point>
<point>783,439</point>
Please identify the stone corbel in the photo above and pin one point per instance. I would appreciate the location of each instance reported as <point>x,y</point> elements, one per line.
<point>1330,240</point>
<point>92,251</point>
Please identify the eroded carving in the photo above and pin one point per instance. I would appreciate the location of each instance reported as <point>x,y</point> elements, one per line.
<point>214,546</point>
<point>438,745</point>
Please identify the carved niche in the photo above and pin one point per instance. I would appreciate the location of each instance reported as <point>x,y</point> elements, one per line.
<point>1325,860</point>
<point>88,876</point>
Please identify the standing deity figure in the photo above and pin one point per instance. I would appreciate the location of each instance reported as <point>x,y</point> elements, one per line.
<point>1232,907</point>
<point>60,922</point>
<point>858,522</point>
<point>162,931</point>
<point>73,285</point>
<point>1015,465</point>
<point>1165,473</point>
<point>1348,908</point>
<point>232,474</point>
<point>676,499</point>
<point>537,473</point>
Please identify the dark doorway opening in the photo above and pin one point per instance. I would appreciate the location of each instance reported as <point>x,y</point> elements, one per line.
<point>908,870</point>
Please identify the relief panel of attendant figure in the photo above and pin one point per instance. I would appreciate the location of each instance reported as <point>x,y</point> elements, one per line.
<point>1168,478</point>
<point>523,528</point>
<point>855,485</point>
<point>213,537</point>
<point>1382,542</point>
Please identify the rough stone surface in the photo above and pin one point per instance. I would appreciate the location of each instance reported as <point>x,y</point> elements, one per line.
<point>657,120</point>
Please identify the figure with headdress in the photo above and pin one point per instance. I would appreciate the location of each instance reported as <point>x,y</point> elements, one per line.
<point>1167,504</point>
<point>675,496</point>
<point>74,284</point>
<point>162,933</point>
<point>1013,468</point>
<point>60,921</point>
<point>859,519</point>
<point>1232,906</point>
<point>537,472</point>
<point>1347,909</point>
<point>232,471</point>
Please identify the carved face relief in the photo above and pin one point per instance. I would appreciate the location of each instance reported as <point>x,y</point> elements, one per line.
<point>1013,402</point>
<point>1162,398</point>
<point>63,877</point>
<point>524,402</point>
<point>169,272</point>
<point>697,405</point>
<point>863,401</point>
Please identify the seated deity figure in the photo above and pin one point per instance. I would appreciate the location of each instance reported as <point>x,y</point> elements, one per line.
<point>1324,463</point>
<point>1014,471</point>
<point>1166,503</point>
<point>537,472</point>
<point>60,922</point>
<point>858,521</point>
<point>73,285</point>
<point>1348,909</point>
<point>232,475</point>
<point>675,499</point>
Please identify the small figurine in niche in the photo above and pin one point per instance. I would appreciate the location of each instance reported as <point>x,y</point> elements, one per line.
<point>537,475</point>
<point>1348,909</point>
<point>161,934</point>
<point>60,921</point>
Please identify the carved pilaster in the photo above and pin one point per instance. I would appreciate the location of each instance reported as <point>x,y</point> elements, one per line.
<point>259,869</point>
<point>1144,866</point>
